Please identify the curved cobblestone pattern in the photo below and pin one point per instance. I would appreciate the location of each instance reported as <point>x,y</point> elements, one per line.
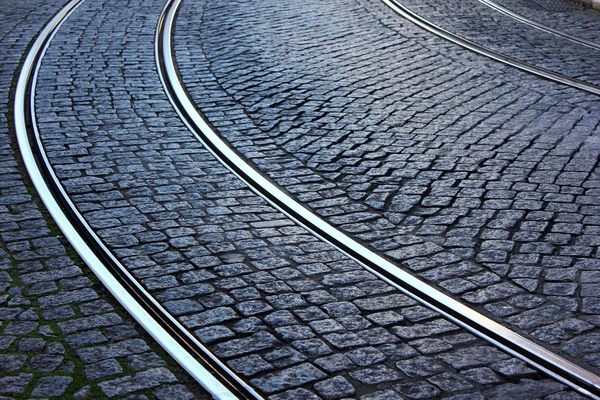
<point>477,178</point>
<point>570,19</point>
<point>491,29</point>
<point>61,335</point>
<point>285,311</point>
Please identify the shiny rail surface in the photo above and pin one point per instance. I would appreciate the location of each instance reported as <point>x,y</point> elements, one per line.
<point>535,24</point>
<point>166,330</point>
<point>561,369</point>
<point>405,12</point>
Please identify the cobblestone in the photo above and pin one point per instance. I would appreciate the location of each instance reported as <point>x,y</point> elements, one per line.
<point>520,41</point>
<point>334,388</point>
<point>142,380</point>
<point>287,378</point>
<point>559,15</point>
<point>284,309</point>
<point>47,298</point>
<point>52,386</point>
<point>473,177</point>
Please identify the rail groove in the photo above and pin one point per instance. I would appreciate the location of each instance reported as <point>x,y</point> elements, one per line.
<point>495,6</point>
<point>179,342</point>
<point>166,330</point>
<point>405,12</point>
<point>561,369</point>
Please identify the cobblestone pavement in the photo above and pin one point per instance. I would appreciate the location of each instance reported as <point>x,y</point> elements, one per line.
<point>284,310</point>
<point>561,15</point>
<point>479,179</point>
<point>429,154</point>
<point>61,334</point>
<point>479,23</point>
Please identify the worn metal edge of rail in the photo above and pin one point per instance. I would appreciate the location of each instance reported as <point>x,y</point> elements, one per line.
<point>168,332</point>
<point>495,6</point>
<point>515,344</point>
<point>405,12</point>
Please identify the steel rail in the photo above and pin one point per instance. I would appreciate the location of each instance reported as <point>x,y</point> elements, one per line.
<point>147,311</point>
<point>495,6</point>
<point>513,343</point>
<point>405,12</point>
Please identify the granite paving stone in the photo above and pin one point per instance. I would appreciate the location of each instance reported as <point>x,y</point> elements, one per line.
<point>50,303</point>
<point>249,365</point>
<point>470,175</point>
<point>291,314</point>
<point>334,388</point>
<point>142,380</point>
<point>289,378</point>
<point>52,386</point>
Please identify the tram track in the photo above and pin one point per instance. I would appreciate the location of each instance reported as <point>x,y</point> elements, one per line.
<point>575,39</point>
<point>561,369</point>
<point>175,338</point>
<point>431,27</point>
<point>179,342</point>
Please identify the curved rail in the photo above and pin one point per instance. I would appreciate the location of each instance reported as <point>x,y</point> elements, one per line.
<point>563,370</point>
<point>541,72</point>
<point>165,329</point>
<point>535,24</point>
